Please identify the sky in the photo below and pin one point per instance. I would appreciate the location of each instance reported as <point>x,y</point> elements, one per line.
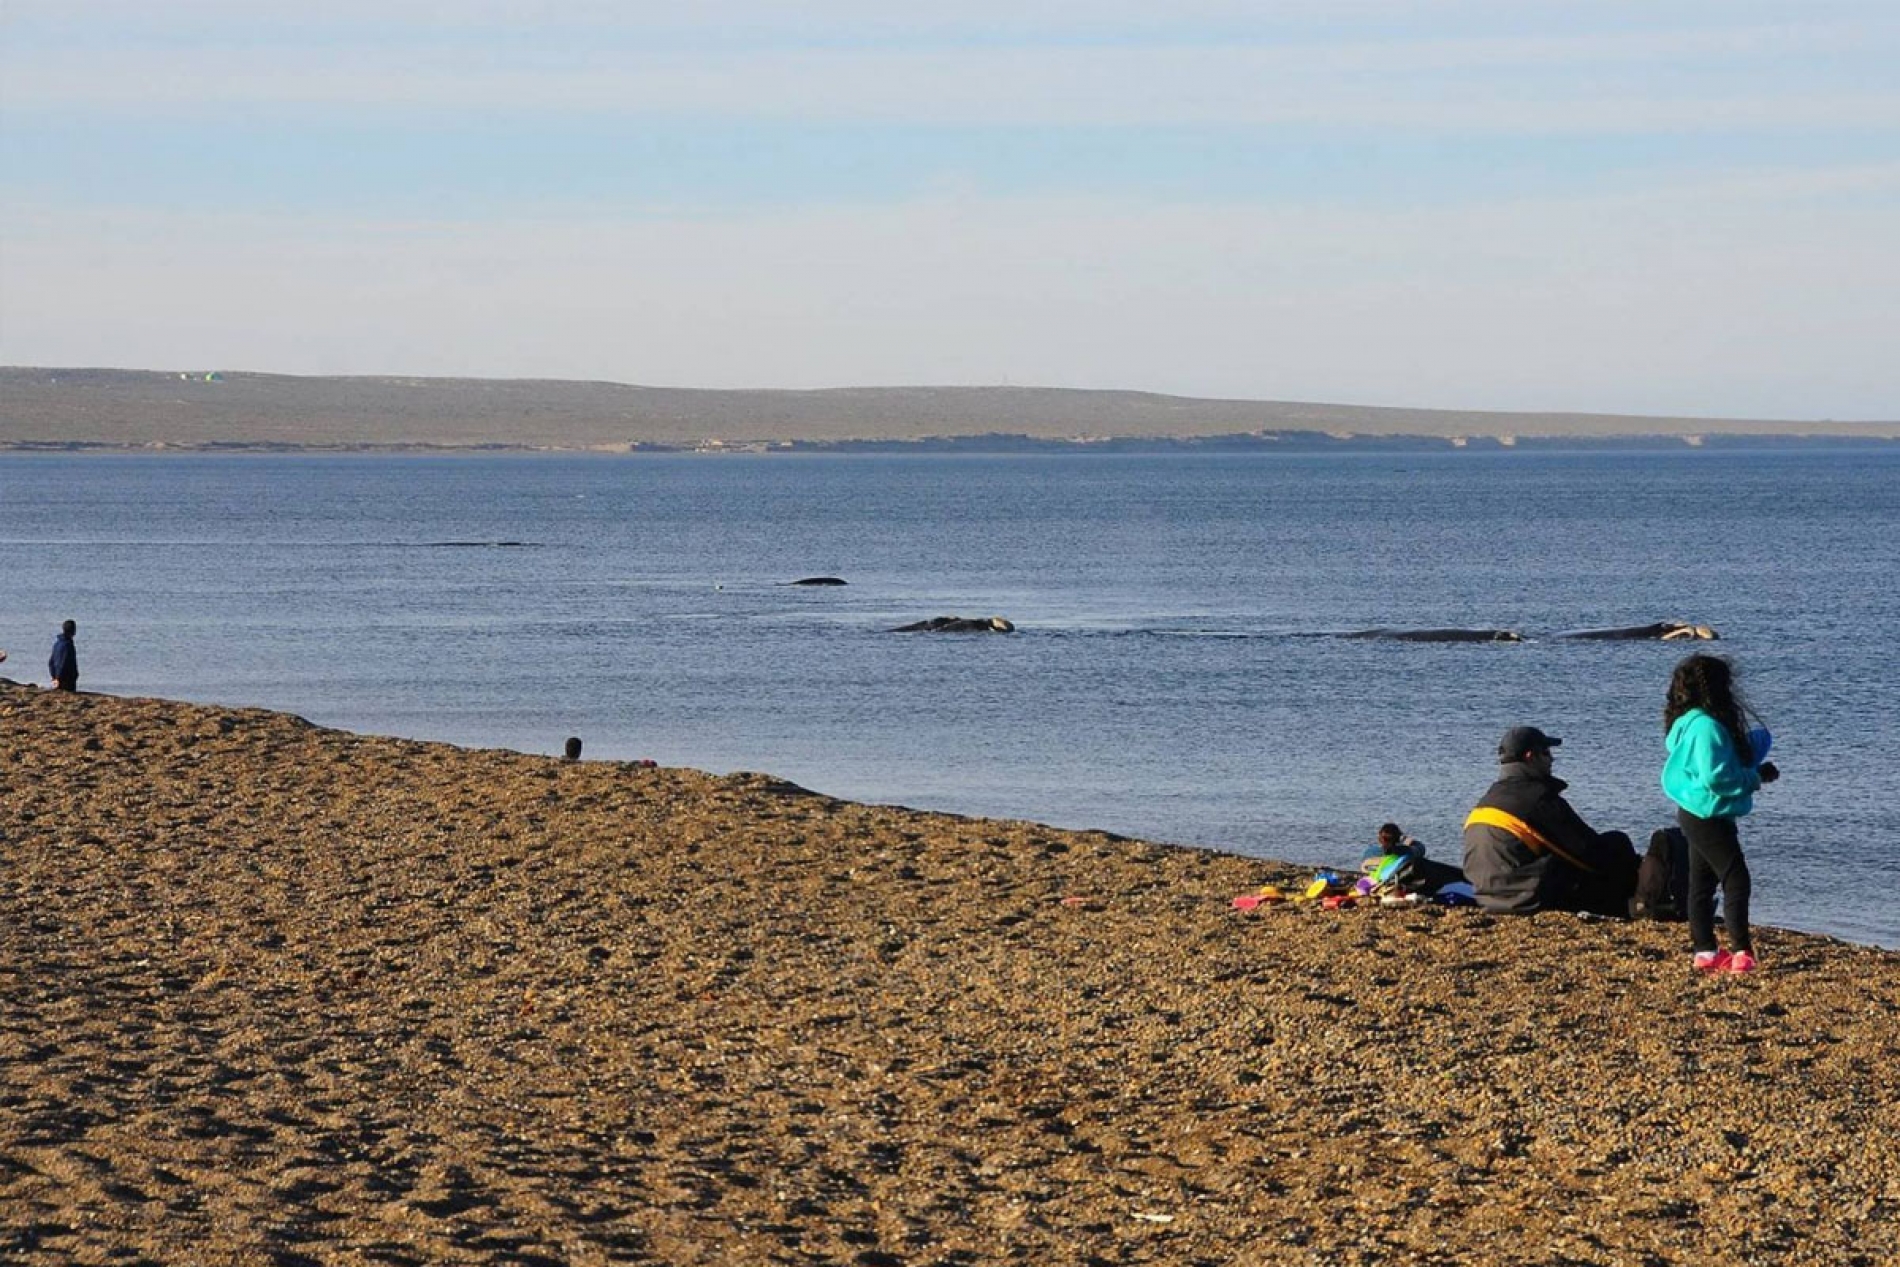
<point>1660,207</point>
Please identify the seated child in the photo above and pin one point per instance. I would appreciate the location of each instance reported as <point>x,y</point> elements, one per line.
<point>1418,872</point>
<point>1389,841</point>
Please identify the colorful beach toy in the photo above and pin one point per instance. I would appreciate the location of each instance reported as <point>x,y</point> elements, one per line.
<point>1267,896</point>
<point>1391,867</point>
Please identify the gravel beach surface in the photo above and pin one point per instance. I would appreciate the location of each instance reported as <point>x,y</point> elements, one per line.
<point>273,994</point>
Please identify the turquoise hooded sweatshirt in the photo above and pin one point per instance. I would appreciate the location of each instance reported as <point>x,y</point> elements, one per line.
<point>1703,773</point>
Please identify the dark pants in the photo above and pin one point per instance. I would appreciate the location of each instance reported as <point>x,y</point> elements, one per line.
<point>1429,877</point>
<point>1715,858</point>
<point>1605,893</point>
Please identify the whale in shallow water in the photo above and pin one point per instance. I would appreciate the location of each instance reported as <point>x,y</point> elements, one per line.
<point>958,624</point>
<point>817,580</point>
<point>1439,635</point>
<point>1661,631</point>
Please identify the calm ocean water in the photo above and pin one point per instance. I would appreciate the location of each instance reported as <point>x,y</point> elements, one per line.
<point>1163,683</point>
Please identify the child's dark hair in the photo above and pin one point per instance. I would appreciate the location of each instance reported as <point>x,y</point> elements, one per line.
<point>1389,834</point>
<point>1707,682</point>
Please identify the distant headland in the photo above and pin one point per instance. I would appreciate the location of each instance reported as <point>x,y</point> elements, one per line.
<point>71,410</point>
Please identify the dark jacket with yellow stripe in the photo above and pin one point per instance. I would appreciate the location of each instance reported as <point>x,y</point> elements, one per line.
<point>1526,850</point>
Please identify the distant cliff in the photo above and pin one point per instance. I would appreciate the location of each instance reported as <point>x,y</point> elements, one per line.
<point>146,409</point>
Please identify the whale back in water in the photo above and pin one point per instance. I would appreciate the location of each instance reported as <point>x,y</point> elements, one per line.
<point>1439,635</point>
<point>817,580</point>
<point>958,624</point>
<point>1660,631</point>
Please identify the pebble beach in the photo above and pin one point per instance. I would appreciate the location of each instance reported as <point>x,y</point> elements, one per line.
<point>275,994</point>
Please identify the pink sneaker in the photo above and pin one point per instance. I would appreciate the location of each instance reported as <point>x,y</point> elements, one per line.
<point>1716,961</point>
<point>1741,961</point>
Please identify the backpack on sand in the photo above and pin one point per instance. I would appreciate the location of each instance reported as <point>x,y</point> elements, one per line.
<point>1662,878</point>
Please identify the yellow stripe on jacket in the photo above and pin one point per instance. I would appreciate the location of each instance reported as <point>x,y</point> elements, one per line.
<point>1534,840</point>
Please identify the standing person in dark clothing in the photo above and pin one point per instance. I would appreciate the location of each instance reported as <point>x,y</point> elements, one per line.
<point>1712,772</point>
<point>1527,850</point>
<point>63,664</point>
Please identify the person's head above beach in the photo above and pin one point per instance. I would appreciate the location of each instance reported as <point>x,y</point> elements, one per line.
<point>1707,682</point>
<point>1525,743</point>
<point>1703,681</point>
<point>69,628</point>
<point>1390,836</point>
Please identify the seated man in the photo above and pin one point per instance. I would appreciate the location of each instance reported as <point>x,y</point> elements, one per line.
<point>1526,850</point>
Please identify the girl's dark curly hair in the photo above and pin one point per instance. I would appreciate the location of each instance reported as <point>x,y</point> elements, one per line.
<point>1707,682</point>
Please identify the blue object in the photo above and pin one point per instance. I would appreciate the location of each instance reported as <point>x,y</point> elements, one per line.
<point>1704,772</point>
<point>1391,867</point>
<point>1760,741</point>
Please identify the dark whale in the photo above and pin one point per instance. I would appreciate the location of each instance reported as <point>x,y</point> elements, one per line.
<point>1661,631</point>
<point>1439,635</point>
<point>958,624</point>
<point>817,580</point>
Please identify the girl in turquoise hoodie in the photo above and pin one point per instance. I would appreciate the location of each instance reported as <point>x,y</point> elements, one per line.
<point>1712,772</point>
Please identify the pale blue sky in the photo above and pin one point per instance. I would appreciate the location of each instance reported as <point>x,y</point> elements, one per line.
<point>1656,207</point>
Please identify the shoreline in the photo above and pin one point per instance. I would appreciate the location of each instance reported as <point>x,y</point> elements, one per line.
<point>274,990</point>
<point>1305,862</point>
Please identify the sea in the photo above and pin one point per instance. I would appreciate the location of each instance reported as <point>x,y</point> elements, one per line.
<point>1174,673</point>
